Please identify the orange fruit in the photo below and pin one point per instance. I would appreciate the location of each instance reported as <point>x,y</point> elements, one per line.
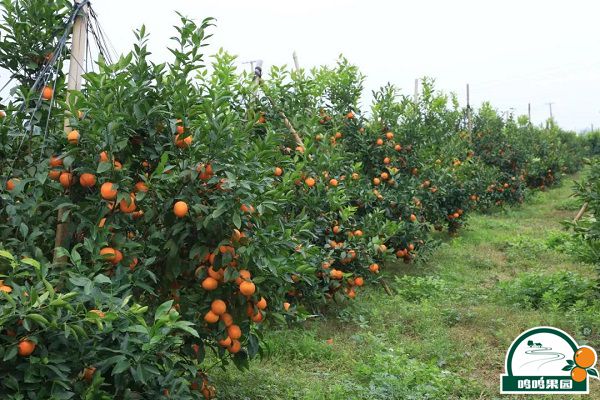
<point>55,161</point>
<point>180,129</point>
<point>387,160</point>
<point>261,304</point>
<point>47,93</point>
<point>118,166</point>
<point>2,114</point>
<point>112,255</point>
<point>336,229</point>
<point>218,307</point>
<point>585,357</point>
<point>359,281</point>
<point>108,191</point>
<point>26,347</point>
<point>247,288</point>
<point>385,176</point>
<point>376,181</point>
<point>397,147</point>
<point>310,182</point>
<point>389,135</point>
<point>180,209</point>
<point>218,275</point>
<point>73,137</point>
<point>235,347</point>
<point>211,317</point>
<point>104,157</point>
<point>278,171</point>
<point>286,306</point>
<point>66,179</point>
<point>88,373</point>
<point>350,115</point>
<point>258,317</point>
<point>358,233</point>
<point>5,288</point>
<point>209,283</point>
<point>413,217</point>
<point>355,176</point>
<point>133,263</point>
<point>234,332</point>
<point>10,184</point>
<point>578,374</point>
<point>87,180</point>
<point>128,208</point>
<point>183,143</point>
<point>225,342</point>
<point>54,174</point>
<point>374,268</point>
<point>140,187</point>
<point>244,275</point>
<point>333,182</point>
<point>338,135</point>
<point>227,319</point>
<point>379,142</point>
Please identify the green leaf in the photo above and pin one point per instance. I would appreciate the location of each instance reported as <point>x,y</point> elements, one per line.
<point>34,263</point>
<point>163,309</point>
<point>120,367</point>
<point>103,167</point>
<point>592,372</point>
<point>10,354</point>
<point>186,326</point>
<point>7,255</point>
<point>237,220</point>
<point>38,318</point>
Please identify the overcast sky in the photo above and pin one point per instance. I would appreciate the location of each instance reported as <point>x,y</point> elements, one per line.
<point>512,52</point>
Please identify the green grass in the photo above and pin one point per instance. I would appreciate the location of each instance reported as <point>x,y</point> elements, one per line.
<point>445,332</point>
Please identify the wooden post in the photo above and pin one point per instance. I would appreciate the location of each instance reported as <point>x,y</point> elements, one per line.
<point>78,48</point>
<point>296,64</point>
<point>581,211</point>
<point>469,120</point>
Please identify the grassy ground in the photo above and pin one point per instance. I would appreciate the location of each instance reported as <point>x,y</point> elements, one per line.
<point>445,332</point>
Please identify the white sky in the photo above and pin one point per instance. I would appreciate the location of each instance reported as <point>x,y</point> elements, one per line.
<point>511,52</point>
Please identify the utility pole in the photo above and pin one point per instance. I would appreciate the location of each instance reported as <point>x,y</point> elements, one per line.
<point>416,95</point>
<point>76,63</point>
<point>550,105</point>
<point>529,113</point>
<point>296,64</point>
<point>469,121</point>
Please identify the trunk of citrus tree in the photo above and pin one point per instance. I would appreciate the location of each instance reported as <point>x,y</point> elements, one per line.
<point>76,62</point>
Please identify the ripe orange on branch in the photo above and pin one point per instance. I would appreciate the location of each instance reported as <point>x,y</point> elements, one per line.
<point>73,137</point>
<point>87,180</point>
<point>47,93</point>
<point>66,179</point>
<point>247,288</point>
<point>108,191</point>
<point>25,347</point>
<point>180,209</point>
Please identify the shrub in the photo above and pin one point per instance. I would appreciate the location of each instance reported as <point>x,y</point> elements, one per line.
<point>537,290</point>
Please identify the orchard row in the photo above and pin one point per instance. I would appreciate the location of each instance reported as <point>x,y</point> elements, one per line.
<point>202,207</point>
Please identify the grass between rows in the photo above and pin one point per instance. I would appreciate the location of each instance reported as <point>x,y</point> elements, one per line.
<point>445,332</point>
